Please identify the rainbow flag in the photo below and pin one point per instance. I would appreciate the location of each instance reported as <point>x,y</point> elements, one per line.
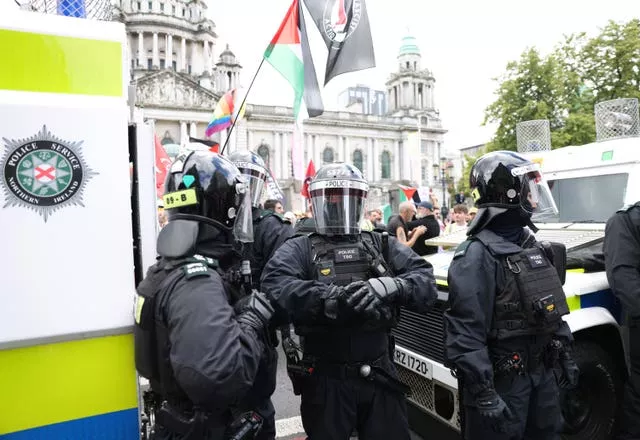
<point>226,112</point>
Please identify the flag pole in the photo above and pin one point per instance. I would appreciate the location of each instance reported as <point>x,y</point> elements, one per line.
<point>233,124</point>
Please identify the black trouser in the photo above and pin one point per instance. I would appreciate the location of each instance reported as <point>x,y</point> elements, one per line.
<point>534,401</point>
<point>630,414</point>
<point>259,397</point>
<point>333,405</point>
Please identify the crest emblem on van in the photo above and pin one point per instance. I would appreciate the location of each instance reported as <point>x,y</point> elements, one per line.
<point>43,173</point>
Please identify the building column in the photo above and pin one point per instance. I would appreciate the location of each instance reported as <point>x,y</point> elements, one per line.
<point>168,52</point>
<point>377,171</point>
<point>194,58</point>
<point>317,154</point>
<point>308,153</point>
<point>286,171</point>
<point>396,160</point>
<point>250,145</point>
<point>192,130</point>
<point>142,57</point>
<point>347,151</point>
<point>276,156</point>
<point>183,55</point>
<point>406,163</point>
<point>156,59</point>
<point>370,159</point>
<point>205,58</point>
<point>184,137</point>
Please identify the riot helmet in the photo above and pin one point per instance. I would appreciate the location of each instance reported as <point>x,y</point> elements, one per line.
<point>503,180</point>
<point>255,170</point>
<point>206,187</point>
<point>338,192</point>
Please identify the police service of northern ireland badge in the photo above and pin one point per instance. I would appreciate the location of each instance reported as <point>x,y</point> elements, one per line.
<point>43,173</point>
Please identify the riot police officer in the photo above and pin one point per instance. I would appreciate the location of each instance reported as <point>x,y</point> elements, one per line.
<point>343,289</point>
<point>200,356</point>
<point>504,330</point>
<point>270,230</point>
<point>622,262</point>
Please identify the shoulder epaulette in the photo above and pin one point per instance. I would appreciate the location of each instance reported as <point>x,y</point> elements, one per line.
<point>461,250</point>
<point>197,269</point>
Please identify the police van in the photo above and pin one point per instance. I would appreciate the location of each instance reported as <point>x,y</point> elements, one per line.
<point>589,183</point>
<point>76,233</point>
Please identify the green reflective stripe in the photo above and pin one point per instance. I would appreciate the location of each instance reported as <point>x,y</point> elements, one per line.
<point>440,282</point>
<point>574,303</point>
<point>55,64</point>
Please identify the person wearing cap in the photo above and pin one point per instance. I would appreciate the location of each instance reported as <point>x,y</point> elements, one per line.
<point>425,217</point>
<point>472,214</point>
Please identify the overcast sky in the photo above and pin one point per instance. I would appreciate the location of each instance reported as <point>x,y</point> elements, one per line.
<point>465,43</point>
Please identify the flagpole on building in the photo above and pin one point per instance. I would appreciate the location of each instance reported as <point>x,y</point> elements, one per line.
<point>233,124</point>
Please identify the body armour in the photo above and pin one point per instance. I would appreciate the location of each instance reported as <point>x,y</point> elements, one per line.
<point>532,301</point>
<point>344,263</point>
<point>151,337</point>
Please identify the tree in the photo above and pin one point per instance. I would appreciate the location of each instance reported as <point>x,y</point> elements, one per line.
<point>564,86</point>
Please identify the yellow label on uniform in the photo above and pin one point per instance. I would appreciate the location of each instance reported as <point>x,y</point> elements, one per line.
<point>325,272</point>
<point>551,307</point>
<point>138,309</point>
<point>475,194</point>
<point>180,198</point>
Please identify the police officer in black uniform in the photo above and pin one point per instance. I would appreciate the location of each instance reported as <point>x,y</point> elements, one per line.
<point>270,230</point>
<point>622,263</point>
<point>343,289</point>
<point>199,354</point>
<point>505,336</point>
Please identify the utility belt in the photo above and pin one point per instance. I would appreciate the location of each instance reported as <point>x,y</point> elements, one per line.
<point>299,369</point>
<point>517,363</point>
<point>199,424</point>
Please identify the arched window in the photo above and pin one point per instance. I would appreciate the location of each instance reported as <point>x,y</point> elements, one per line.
<point>263,152</point>
<point>358,160</point>
<point>167,139</point>
<point>327,155</point>
<point>385,163</point>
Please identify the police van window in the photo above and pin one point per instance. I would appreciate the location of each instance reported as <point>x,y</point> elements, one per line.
<point>588,199</point>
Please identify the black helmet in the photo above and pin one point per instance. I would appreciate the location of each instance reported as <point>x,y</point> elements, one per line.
<point>504,180</point>
<point>338,192</point>
<point>253,167</point>
<point>207,187</point>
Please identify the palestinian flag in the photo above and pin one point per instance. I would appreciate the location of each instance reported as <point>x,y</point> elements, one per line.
<point>290,55</point>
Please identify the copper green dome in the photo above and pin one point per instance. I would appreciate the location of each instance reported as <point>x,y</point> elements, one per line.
<point>409,46</point>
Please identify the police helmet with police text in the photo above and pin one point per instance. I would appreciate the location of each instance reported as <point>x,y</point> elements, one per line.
<point>338,192</point>
<point>207,187</point>
<point>255,170</point>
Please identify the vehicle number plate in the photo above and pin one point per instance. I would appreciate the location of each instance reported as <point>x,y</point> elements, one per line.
<point>413,363</point>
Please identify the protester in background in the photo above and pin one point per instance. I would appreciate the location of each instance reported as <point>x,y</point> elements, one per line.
<point>459,219</point>
<point>397,226</point>
<point>426,218</point>
<point>274,205</point>
<point>472,214</point>
<point>291,217</point>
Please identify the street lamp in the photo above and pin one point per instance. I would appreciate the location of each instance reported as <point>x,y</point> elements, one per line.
<point>440,174</point>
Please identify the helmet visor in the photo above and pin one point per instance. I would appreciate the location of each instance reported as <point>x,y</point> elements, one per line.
<point>338,206</point>
<point>243,224</point>
<point>257,175</point>
<point>536,198</point>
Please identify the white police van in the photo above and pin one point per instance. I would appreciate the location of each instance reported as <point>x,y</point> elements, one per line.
<point>589,183</point>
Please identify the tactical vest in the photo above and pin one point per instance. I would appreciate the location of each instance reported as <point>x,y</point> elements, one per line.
<point>341,264</point>
<point>532,301</point>
<point>151,337</point>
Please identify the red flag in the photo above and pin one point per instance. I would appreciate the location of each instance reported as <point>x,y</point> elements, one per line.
<point>163,165</point>
<point>311,171</point>
<point>408,191</point>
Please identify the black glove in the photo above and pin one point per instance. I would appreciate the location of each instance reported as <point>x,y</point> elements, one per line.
<point>256,311</point>
<point>491,406</point>
<point>376,294</point>
<point>570,371</point>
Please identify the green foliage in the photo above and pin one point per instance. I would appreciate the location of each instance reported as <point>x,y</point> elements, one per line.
<point>564,86</point>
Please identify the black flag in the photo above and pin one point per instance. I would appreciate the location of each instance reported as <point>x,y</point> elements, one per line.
<point>344,25</point>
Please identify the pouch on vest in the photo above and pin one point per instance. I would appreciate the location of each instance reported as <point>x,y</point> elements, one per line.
<point>541,295</point>
<point>145,331</point>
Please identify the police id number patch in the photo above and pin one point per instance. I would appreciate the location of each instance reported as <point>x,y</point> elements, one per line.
<point>195,270</point>
<point>180,198</point>
<point>343,255</point>
<point>537,260</point>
